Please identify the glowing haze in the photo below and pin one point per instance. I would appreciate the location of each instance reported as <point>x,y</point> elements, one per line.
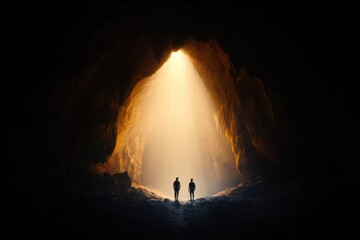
<point>169,130</point>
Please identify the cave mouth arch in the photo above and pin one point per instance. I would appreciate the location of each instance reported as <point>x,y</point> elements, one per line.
<point>243,115</point>
<point>154,98</point>
<point>172,131</point>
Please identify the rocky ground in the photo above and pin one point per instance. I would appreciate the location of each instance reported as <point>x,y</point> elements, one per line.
<point>261,209</point>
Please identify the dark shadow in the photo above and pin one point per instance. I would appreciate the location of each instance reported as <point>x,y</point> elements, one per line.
<point>177,203</point>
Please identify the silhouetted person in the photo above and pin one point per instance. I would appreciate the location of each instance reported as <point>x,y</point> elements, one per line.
<point>176,186</point>
<point>192,190</point>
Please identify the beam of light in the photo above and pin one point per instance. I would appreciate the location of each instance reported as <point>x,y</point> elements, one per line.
<point>170,131</point>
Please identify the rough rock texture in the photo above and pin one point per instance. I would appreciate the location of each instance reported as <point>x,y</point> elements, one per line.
<point>260,209</point>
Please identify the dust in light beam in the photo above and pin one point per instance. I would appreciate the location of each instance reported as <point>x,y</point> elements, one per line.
<point>176,113</point>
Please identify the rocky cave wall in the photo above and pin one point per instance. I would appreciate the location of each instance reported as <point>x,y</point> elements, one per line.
<point>125,47</point>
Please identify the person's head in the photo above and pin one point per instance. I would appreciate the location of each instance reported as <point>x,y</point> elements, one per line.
<point>191,179</point>
<point>177,178</point>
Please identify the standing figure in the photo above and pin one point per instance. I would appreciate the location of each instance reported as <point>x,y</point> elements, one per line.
<point>192,190</point>
<point>176,186</point>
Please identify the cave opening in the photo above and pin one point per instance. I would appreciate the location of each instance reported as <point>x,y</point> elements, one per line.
<point>172,131</point>
<point>193,116</point>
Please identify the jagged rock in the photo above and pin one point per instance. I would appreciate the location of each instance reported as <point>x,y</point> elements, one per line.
<point>122,179</point>
<point>107,180</point>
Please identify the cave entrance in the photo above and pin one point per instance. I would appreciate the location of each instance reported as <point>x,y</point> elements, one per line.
<point>169,128</point>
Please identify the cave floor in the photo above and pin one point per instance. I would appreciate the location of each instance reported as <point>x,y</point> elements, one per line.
<point>256,211</point>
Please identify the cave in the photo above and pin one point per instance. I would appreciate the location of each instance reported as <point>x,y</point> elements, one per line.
<point>174,122</point>
<point>111,101</point>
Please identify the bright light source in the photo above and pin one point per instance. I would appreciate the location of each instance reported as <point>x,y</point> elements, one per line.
<point>169,131</point>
